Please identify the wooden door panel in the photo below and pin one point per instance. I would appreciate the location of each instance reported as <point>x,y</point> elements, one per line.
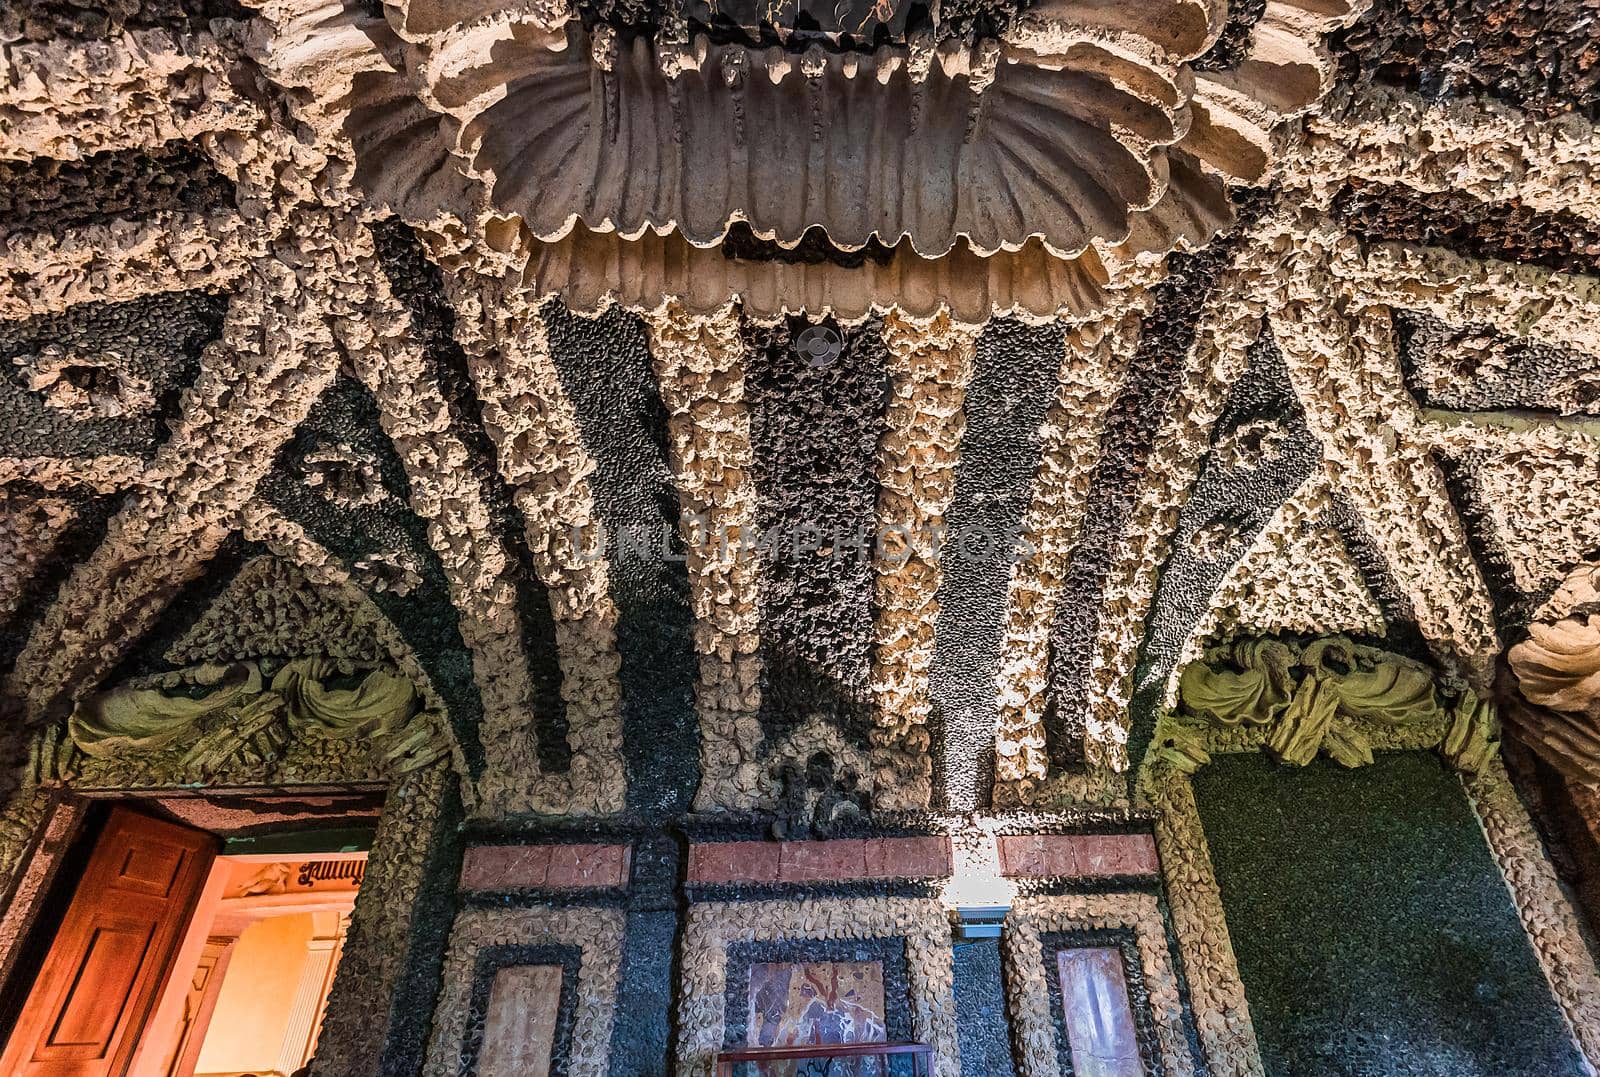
<point>113,952</point>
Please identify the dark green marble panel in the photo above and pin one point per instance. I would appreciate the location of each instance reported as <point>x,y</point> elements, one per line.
<point>1373,930</point>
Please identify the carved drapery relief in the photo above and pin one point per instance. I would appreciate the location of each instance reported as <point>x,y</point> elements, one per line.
<point>1332,696</point>
<point>207,721</point>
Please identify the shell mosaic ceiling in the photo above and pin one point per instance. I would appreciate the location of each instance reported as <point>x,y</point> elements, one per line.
<point>457,343</point>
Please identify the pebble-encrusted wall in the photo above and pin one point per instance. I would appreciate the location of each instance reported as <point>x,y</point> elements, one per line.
<point>1520,55</point>
<point>604,367</point>
<point>1373,932</point>
<point>815,427</point>
<point>41,20</point>
<point>1368,408</point>
<point>1004,410</point>
<point>384,544</point>
<point>1130,429</point>
<point>108,186</point>
<point>102,378</point>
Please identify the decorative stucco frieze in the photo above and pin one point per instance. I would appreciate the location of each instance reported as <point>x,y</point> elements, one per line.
<point>1331,697</point>
<point>440,113</point>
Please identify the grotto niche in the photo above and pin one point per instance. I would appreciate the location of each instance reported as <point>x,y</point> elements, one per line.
<point>1044,536</point>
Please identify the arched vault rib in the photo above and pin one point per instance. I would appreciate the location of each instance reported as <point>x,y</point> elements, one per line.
<point>699,365</point>
<point>255,386</point>
<point>535,433</point>
<point>1228,327</point>
<point>376,333</point>
<point>1094,363</point>
<point>1344,364</point>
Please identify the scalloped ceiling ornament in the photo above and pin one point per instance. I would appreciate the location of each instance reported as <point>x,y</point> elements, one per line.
<point>1553,689</point>
<point>1076,130</point>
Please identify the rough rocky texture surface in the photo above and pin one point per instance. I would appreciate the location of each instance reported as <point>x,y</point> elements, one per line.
<point>982,1024</point>
<point>1407,980</point>
<point>101,378</point>
<point>45,194</point>
<point>1005,407</point>
<point>39,570</point>
<point>1474,368</point>
<point>416,283</point>
<point>1130,429</point>
<point>1506,230</point>
<point>605,369</point>
<point>384,545</point>
<point>1541,58</point>
<point>814,432</point>
<point>1252,471</point>
<point>40,20</point>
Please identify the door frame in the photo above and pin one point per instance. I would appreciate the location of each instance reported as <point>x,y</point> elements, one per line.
<point>44,818</point>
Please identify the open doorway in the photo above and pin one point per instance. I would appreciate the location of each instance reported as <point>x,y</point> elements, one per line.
<point>180,951</point>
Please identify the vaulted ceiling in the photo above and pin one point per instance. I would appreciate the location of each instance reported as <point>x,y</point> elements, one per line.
<point>467,333</point>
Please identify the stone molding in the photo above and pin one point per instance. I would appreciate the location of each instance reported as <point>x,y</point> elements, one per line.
<point>1027,989</point>
<point>597,932</point>
<point>1076,856</point>
<point>1547,914</point>
<point>713,926</point>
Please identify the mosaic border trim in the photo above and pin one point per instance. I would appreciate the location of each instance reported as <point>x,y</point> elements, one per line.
<point>1037,1032</point>
<point>598,935</point>
<point>713,928</point>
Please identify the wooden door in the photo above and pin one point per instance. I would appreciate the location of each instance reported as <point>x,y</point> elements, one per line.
<point>113,952</point>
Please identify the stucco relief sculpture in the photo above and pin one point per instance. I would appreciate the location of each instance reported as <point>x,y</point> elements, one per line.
<point>1333,696</point>
<point>1072,134</point>
<point>225,712</point>
<point>1555,707</point>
